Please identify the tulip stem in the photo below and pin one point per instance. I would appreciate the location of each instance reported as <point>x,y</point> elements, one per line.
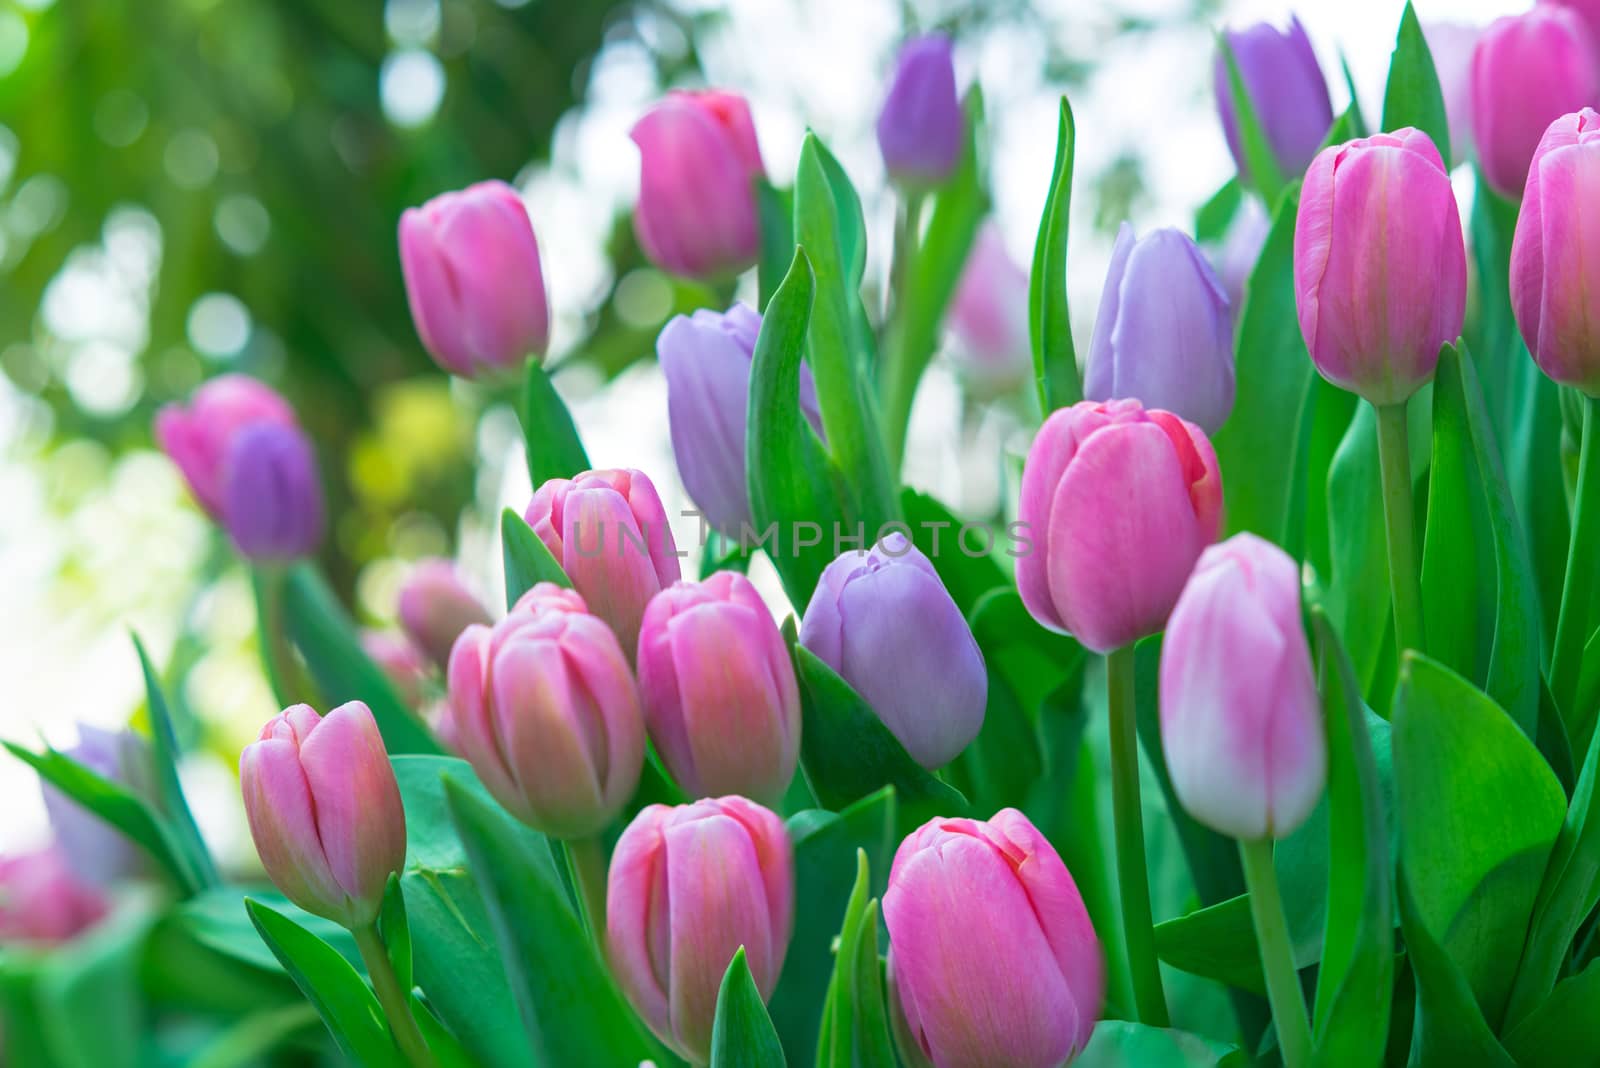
<point>284,676</point>
<point>1138,928</point>
<point>904,365</point>
<point>395,1000</point>
<point>1573,625</point>
<point>586,859</point>
<point>1394,462</point>
<point>1277,955</point>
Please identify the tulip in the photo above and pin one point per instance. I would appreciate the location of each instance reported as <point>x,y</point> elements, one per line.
<point>43,901</point>
<point>272,497</point>
<point>1587,10</point>
<point>436,606</point>
<point>609,532</point>
<point>921,126</point>
<point>324,810</point>
<point>1527,71</point>
<point>1452,45</point>
<point>197,438</point>
<point>1555,255</point>
<point>1241,722</point>
<point>699,161</point>
<point>989,317</point>
<point>403,664</point>
<point>473,280</point>
<point>96,852</point>
<point>1286,90</point>
<point>549,597</point>
<point>718,687</point>
<point>1380,266</point>
<point>1118,502</point>
<point>1165,333</point>
<point>687,887</point>
<point>992,958</point>
<point>546,711</point>
<point>884,621</point>
<point>1241,250</point>
<point>706,358</point>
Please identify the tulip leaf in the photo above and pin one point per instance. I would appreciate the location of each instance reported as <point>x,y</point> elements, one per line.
<point>325,636</point>
<point>1357,594</point>
<point>1119,1044</point>
<point>339,994</point>
<point>87,1002</point>
<point>1215,217</point>
<point>775,210</point>
<point>1479,811</point>
<point>1412,96</point>
<point>1055,360</point>
<point>218,919</point>
<point>1260,161</point>
<point>1560,1032</point>
<point>396,932</point>
<point>742,1035</point>
<point>527,561</point>
<point>1449,1027</point>
<point>1218,942</point>
<point>1358,121</point>
<point>855,1025</point>
<point>570,1010</point>
<point>961,552</point>
<point>549,436</point>
<point>173,805</point>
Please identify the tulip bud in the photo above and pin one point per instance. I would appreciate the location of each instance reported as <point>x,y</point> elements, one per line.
<point>1241,250</point>
<point>1527,71</point>
<point>546,711</point>
<point>706,359</point>
<point>992,958</point>
<point>1164,336</point>
<point>1117,502</point>
<point>1378,248</point>
<point>1241,722</point>
<point>402,663</point>
<point>699,161</point>
<point>989,317</point>
<point>920,128</point>
<point>197,438</point>
<point>272,496</point>
<point>1587,10</point>
<point>1555,255</point>
<point>609,532</point>
<point>1451,44</point>
<point>96,852</point>
<point>687,887</point>
<point>719,692</point>
<point>436,606</point>
<point>324,810</point>
<point>549,597</point>
<point>42,901</point>
<point>884,621</point>
<point>473,280</point>
<point>1286,90</point>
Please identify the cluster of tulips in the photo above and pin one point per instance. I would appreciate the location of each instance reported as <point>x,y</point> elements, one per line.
<point>652,726</point>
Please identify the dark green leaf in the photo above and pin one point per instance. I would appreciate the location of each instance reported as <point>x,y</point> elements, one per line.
<point>1032,660</point>
<point>966,564</point>
<point>858,1023</point>
<point>1055,360</point>
<point>1357,595</point>
<point>1450,1028</point>
<point>1211,222</point>
<point>1412,96</point>
<point>396,932</point>
<point>527,561</point>
<point>551,439</point>
<point>174,807</point>
<point>743,1036</point>
<point>1265,174</point>
<point>1120,1044</point>
<point>775,208</point>
<point>1217,942</point>
<point>1560,1032</point>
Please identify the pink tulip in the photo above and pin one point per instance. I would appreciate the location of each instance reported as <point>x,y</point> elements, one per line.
<point>1527,71</point>
<point>1380,265</point>
<point>720,697</point>
<point>436,606</point>
<point>403,664</point>
<point>989,317</point>
<point>197,437</point>
<point>609,532</point>
<point>474,282</point>
<point>1555,256</point>
<point>1241,722</point>
<point>324,810</point>
<point>688,886</point>
<point>1117,503</point>
<point>1452,45</point>
<point>43,902</point>
<point>545,709</point>
<point>992,959</point>
<point>699,161</point>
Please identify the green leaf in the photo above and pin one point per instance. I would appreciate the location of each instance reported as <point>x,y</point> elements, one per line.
<point>340,996</point>
<point>396,932</point>
<point>1055,360</point>
<point>1358,122</point>
<point>858,1023</point>
<point>1478,813</point>
<point>1560,1032</point>
<point>250,1038</point>
<point>219,919</point>
<point>549,437</point>
<point>174,807</point>
<point>527,561</point>
<point>1120,1044</point>
<point>1449,1028</point>
<point>967,567</point>
<point>1218,942</point>
<point>326,637</point>
<point>1412,96</point>
<point>1357,595</point>
<point>775,210</point>
<point>1212,221</point>
<point>1262,164</point>
<point>743,1035</point>
<point>88,1001</point>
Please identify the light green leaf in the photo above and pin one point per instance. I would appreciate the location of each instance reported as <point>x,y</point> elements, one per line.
<point>742,1035</point>
<point>549,436</point>
<point>1055,359</point>
<point>1449,1028</point>
<point>775,209</point>
<point>174,807</point>
<point>1120,1044</point>
<point>527,561</point>
<point>1412,96</point>
<point>219,919</point>
<point>857,1029</point>
<point>1213,220</point>
<point>1357,595</point>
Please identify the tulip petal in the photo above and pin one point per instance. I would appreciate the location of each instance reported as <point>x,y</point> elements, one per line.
<point>283,824</point>
<point>636,900</point>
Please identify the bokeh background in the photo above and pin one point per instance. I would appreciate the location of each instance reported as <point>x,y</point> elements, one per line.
<point>193,186</point>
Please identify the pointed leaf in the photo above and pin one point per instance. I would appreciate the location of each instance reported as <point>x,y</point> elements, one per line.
<point>173,805</point>
<point>1055,360</point>
<point>527,561</point>
<point>1412,96</point>
<point>1450,1028</point>
<point>1265,174</point>
<point>743,1036</point>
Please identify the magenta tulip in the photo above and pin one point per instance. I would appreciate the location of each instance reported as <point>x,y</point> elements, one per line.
<point>719,692</point>
<point>43,902</point>
<point>992,959</point>
<point>197,437</point>
<point>1587,10</point>
<point>436,606</point>
<point>1117,504</point>
<point>1452,45</point>
<point>688,886</point>
<point>1241,722</point>
<point>324,810</point>
<point>405,666</point>
<point>1380,265</point>
<point>472,274</point>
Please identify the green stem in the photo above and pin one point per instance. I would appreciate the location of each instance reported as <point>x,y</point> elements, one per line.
<point>586,858</point>
<point>1573,624</point>
<point>288,682</point>
<point>903,367</point>
<point>1138,928</point>
<point>1277,955</point>
<point>396,1001</point>
<point>1394,460</point>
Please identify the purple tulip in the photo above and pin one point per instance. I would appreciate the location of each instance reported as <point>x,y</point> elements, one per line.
<point>43,902</point>
<point>1286,89</point>
<point>1164,336</point>
<point>272,494</point>
<point>472,274</point>
<point>436,606</point>
<point>96,852</point>
<point>197,437</point>
<point>920,128</point>
<point>884,621</point>
<point>989,317</point>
